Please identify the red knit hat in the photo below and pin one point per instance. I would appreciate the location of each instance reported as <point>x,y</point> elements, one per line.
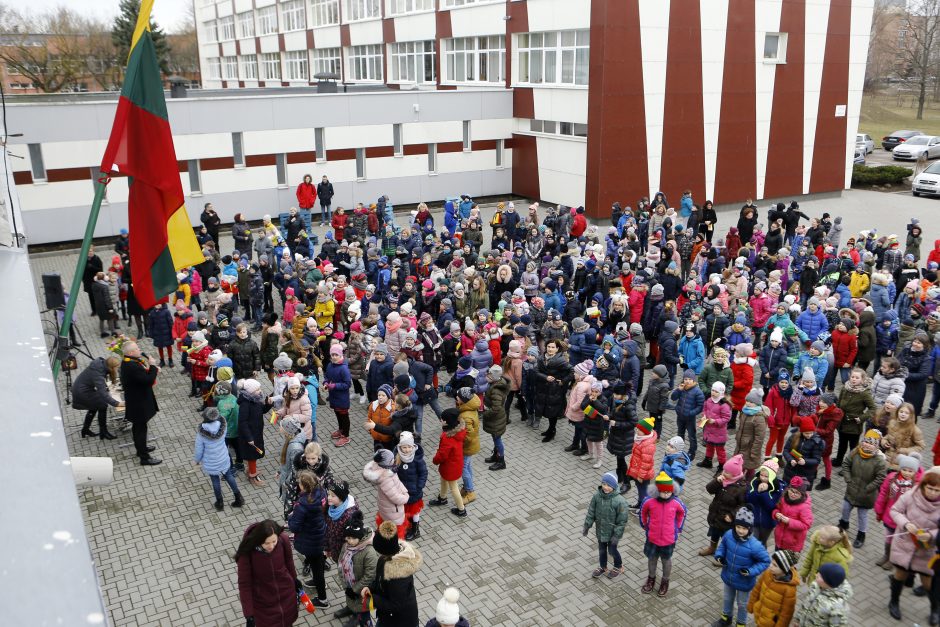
<point>807,424</point>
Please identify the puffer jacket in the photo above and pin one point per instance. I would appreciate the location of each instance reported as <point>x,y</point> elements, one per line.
<point>551,401</point>
<point>725,501</point>
<point>749,439</point>
<point>762,307</point>
<point>689,402</point>
<point>819,365</point>
<point>90,388</point>
<point>913,507</point>
<point>211,450</point>
<point>772,361</point>
<point>819,555</point>
<point>622,427</point>
<point>812,324</point>
<point>481,359</point>
<point>764,502</point>
<point>470,416</point>
<point>710,374</point>
<point>810,449</point>
<point>889,493</point>
<point>414,475</point>
<point>692,353</point>
<point>740,555</point>
<point>609,512</point>
<point>641,461</point>
<point>271,599</point>
<point>773,601</point>
<point>792,535</point>
<point>857,406</point>
<point>245,356</point>
<point>392,493</point>
<point>822,608</point>
<point>494,415</point>
<point>449,455</point>
<point>308,524</point>
<point>160,326</point>
<point>884,386</point>
<point>663,520</point>
<point>578,393</point>
<point>863,478</point>
<point>719,415</point>
<point>867,337</point>
<point>393,590</point>
<point>299,409</point>
<point>676,465</point>
<point>781,412</point>
<point>844,348</point>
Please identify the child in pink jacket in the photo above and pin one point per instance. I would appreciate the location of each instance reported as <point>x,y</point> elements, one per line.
<point>582,387</point>
<point>895,484</point>
<point>662,518</point>
<point>715,417</point>
<point>794,516</point>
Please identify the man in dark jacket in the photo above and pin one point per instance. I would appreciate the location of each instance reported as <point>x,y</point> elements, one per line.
<point>138,376</point>
<point>325,194</point>
<point>211,220</point>
<point>90,392</point>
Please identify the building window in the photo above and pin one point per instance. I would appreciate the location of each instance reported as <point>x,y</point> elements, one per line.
<point>775,48</point>
<point>449,4</point>
<point>270,66</point>
<point>571,129</point>
<point>226,28</point>
<point>249,67</point>
<point>295,62</point>
<point>195,181</point>
<point>238,150</point>
<point>365,63</point>
<point>212,35</point>
<point>362,10</point>
<point>327,61</point>
<point>215,68</point>
<point>325,12</point>
<point>466,136</point>
<point>246,24</point>
<point>361,164</point>
<point>36,163</point>
<point>267,20</point>
<point>500,147</point>
<point>412,62</point>
<point>293,16</point>
<point>402,7</point>
<point>319,144</point>
<point>230,68</point>
<point>475,59</point>
<point>396,140</point>
<point>559,58</point>
<point>432,158</point>
<point>280,163</point>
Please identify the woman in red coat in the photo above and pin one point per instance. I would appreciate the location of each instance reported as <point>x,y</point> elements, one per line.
<point>306,193</point>
<point>267,579</point>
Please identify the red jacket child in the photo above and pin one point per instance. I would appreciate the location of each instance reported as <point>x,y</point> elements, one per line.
<point>826,426</point>
<point>338,222</point>
<point>199,357</point>
<point>781,411</point>
<point>641,466</point>
<point>449,455</point>
<point>180,326</point>
<point>892,488</point>
<point>844,347</point>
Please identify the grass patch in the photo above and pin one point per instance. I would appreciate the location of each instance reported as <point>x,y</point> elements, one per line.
<point>881,114</point>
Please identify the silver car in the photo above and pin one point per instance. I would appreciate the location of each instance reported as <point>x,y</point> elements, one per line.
<point>927,183</point>
<point>865,141</point>
<point>917,146</point>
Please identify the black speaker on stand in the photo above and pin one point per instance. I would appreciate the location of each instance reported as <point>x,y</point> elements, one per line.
<point>52,289</point>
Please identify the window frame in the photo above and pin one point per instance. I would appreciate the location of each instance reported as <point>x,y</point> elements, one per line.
<point>37,164</point>
<point>320,57</point>
<point>406,55</point>
<point>246,62</point>
<point>780,58</point>
<point>500,154</point>
<point>243,18</point>
<point>561,54</point>
<point>263,15</point>
<point>211,29</point>
<point>432,160</point>
<point>224,24</point>
<point>296,60</point>
<point>361,10</point>
<point>328,9</point>
<point>268,61</point>
<point>370,62</point>
<point>230,68</point>
<point>195,177</point>
<point>238,149</point>
<point>400,7</point>
<point>458,56</point>
<point>361,172</point>
<point>280,169</point>
<point>456,4</point>
<point>467,138</point>
<point>319,144</point>
<point>398,143</point>
<point>214,70</point>
<point>292,16</point>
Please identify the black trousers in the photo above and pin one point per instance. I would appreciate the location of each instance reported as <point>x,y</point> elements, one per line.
<point>102,419</point>
<point>139,431</point>
<point>317,564</point>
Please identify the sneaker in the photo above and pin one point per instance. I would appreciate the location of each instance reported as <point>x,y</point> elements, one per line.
<point>613,573</point>
<point>585,457</point>
<point>596,464</point>
<point>336,435</point>
<point>570,448</point>
<point>598,572</point>
<point>321,603</point>
<point>459,513</point>
<point>441,500</point>
<point>341,441</point>
<point>362,399</point>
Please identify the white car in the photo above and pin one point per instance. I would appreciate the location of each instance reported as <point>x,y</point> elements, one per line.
<point>927,182</point>
<point>912,149</point>
<point>865,141</point>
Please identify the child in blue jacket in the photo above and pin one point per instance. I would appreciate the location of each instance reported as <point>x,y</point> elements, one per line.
<point>676,462</point>
<point>743,558</point>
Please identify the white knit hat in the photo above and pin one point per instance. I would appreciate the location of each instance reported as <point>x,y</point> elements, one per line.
<point>448,612</point>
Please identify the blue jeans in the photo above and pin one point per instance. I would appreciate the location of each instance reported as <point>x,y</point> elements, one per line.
<point>830,381</point>
<point>468,473</point>
<point>325,214</point>
<point>686,425</point>
<point>229,479</point>
<point>603,548</point>
<point>498,444</point>
<point>733,596</point>
<point>419,409</point>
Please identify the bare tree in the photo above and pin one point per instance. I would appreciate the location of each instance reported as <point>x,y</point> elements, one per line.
<point>102,62</point>
<point>922,26</point>
<point>47,48</point>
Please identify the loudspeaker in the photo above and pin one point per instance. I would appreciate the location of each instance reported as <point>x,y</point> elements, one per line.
<point>52,289</point>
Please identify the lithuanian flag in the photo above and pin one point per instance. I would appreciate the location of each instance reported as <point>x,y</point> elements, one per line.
<point>162,239</point>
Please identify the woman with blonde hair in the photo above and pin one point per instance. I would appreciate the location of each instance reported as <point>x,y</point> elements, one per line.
<point>90,392</point>
<point>903,436</point>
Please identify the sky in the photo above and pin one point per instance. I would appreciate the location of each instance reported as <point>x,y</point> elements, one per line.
<point>167,13</point>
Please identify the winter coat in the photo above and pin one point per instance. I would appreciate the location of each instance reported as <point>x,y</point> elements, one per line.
<point>856,407</point>
<point>494,415</point>
<point>377,374</point>
<point>890,492</point>
<point>622,427</point>
<point>338,382</point>
<point>749,438</point>
<point>764,502</point>
<point>737,554</point>
<point>308,524</point>
<point>401,420</point>
<point>710,374</point>
<point>663,520</point>
<point>819,555</point>
<point>863,478</point>
<point>792,535</point>
<point>716,431</point>
<point>211,450</point>
<point>844,348</point>
<point>726,500</point>
<point>364,561</point>
<point>772,361</point>
<point>90,388</point>
<point>819,365</point>
<point>551,401</point>
<point>449,455</point>
<point>414,475</point>
<point>579,392</point>
<point>266,584</point>
<point>391,492</point>
<point>641,461</point>
<point>301,409</point>
<point>913,507</point>
<point>609,512</point>
<point>882,387</point>
<point>689,403</point>
<point>101,295</point>
<point>812,324</point>
<point>393,590</point>
<point>692,353</point>
<point>781,412</point>
<point>772,601</point>
<point>245,356</point>
<point>826,425</point>
<point>822,608</point>
<point>811,449</point>
<point>867,337</point>
<point>334,530</point>
<point>250,427</point>
<point>657,396</point>
<point>902,442</point>
<point>160,327</point>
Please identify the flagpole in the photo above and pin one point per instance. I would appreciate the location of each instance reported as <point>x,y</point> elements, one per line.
<point>63,342</point>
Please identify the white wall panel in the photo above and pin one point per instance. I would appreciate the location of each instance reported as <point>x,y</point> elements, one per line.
<point>243,5</point>
<point>858,55</point>
<point>327,37</point>
<point>295,40</point>
<point>416,27</point>
<point>767,20</point>
<point>68,154</point>
<point>247,46</point>
<point>202,146</point>
<point>369,32</point>
<point>228,48</point>
<point>559,104</point>
<point>430,132</point>
<point>817,22</point>
<point>476,160</point>
<point>714,14</point>
<point>654,26</point>
<point>562,167</point>
<point>475,20</point>
<point>223,9</point>
<point>241,180</point>
<point>493,129</point>
<point>394,167</point>
<point>548,15</point>
<point>53,195</point>
<point>358,136</point>
<point>275,141</point>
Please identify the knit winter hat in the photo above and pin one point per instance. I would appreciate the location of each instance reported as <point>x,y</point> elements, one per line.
<point>734,467</point>
<point>384,458</point>
<point>833,574</point>
<point>807,424</point>
<point>677,443</point>
<point>785,559</point>
<point>771,466</point>
<point>386,389</point>
<point>282,362</point>
<point>495,373</point>
<point>754,396</point>
<point>719,387</point>
<point>584,368</point>
<point>381,348</point>
<point>222,388</point>
<point>872,436</point>
<point>797,483</point>
<point>199,338</point>
<point>579,325</point>
<point>664,482</point>
<point>448,612</point>
<point>291,426</point>
<point>819,345</point>
<point>808,375</point>
<point>911,461</point>
<point>464,394</point>
<point>402,382</point>
<point>776,335</point>
<point>385,541</point>
<point>895,399</point>
<point>451,417</point>
<point>744,517</point>
<point>406,438</point>
<point>646,425</point>
<point>828,398</point>
<point>689,374</point>
<point>336,349</point>
<point>720,355</point>
<point>610,479</point>
<point>354,527</point>
<point>783,375</point>
<point>659,370</point>
<point>210,414</point>
<point>341,489</point>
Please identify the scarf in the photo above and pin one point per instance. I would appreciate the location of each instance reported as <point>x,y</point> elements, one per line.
<point>750,411</point>
<point>863,454</point>
<point>346,560</point>
<point>726,482</point>
<point>337,511</point>
<point>406,459</point>
<point>866,385</point>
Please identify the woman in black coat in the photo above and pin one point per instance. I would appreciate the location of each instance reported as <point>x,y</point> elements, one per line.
<point>706,225</point>
<point>211,220</point>
<point>774,239</point>
<point>90,392</point>
<point>104,308</point>
<point>746,224</point>
<point>553,375</point>
<point>251,408</point>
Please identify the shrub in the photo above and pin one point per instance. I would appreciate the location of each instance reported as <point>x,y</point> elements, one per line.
<point>879,175</point>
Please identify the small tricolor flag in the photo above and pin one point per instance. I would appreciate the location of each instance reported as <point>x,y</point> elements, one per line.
<point>590,412</point>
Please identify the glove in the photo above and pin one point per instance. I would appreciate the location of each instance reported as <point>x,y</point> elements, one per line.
<point>721,560</point>
<point>330,385</point>
<point>584,531</point>
<point>249,621</point>
<point>744,572</point>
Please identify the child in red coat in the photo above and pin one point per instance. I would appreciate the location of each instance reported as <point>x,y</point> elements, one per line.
<point>829,419</point>
<point>794,516</point>
<point>199,361</point>
<point>642,470</point>
<point>493,340</point>
<point>449,460</point>
<point>742,367</point>
<point>781,413</point>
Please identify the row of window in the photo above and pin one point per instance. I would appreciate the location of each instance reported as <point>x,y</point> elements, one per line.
<point>571,129</point>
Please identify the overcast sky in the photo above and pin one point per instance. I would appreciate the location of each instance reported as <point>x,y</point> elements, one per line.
<point>167,13</point>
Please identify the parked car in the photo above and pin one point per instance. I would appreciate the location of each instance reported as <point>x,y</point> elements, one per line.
<point>859,155</point>
<point>927,182</point>
<point>865,141</point>
<point>917,146</point>
<point>889,142</point>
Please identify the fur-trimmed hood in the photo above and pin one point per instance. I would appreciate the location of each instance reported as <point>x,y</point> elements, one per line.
<point>213,430</point>
<point>404,564</point>
<point>374,474</point>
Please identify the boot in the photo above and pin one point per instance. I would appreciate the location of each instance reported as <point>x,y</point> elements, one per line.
<point>500,463</point>
<point>239,501</point>
<point>708,550</point>
<point>105,435</point>
<point>549,435</point>
<point>170,362</point>
<point>219,505</point>
<point>87,432</point>
<point>894,605</point>
<point>824,484</point>
<point>414,531</point>
<point>884,562</point>
<point>571,447</point>
<point>724,621</point>
<point>441,500</point>
<point>663,588</point>
<point>648,586</point>
<point>859,540</point>
<point>844,525</point>
<point>470,497</point>
<point>492,458</point>
<point>705,463</point>
<point>934,619</point>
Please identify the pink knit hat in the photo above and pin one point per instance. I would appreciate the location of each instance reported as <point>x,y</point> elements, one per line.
<point>336,349</point>
<point>584,368</point>
<point>734,467</point>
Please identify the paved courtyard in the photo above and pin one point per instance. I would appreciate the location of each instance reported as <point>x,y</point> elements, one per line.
<point>164,554</point>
